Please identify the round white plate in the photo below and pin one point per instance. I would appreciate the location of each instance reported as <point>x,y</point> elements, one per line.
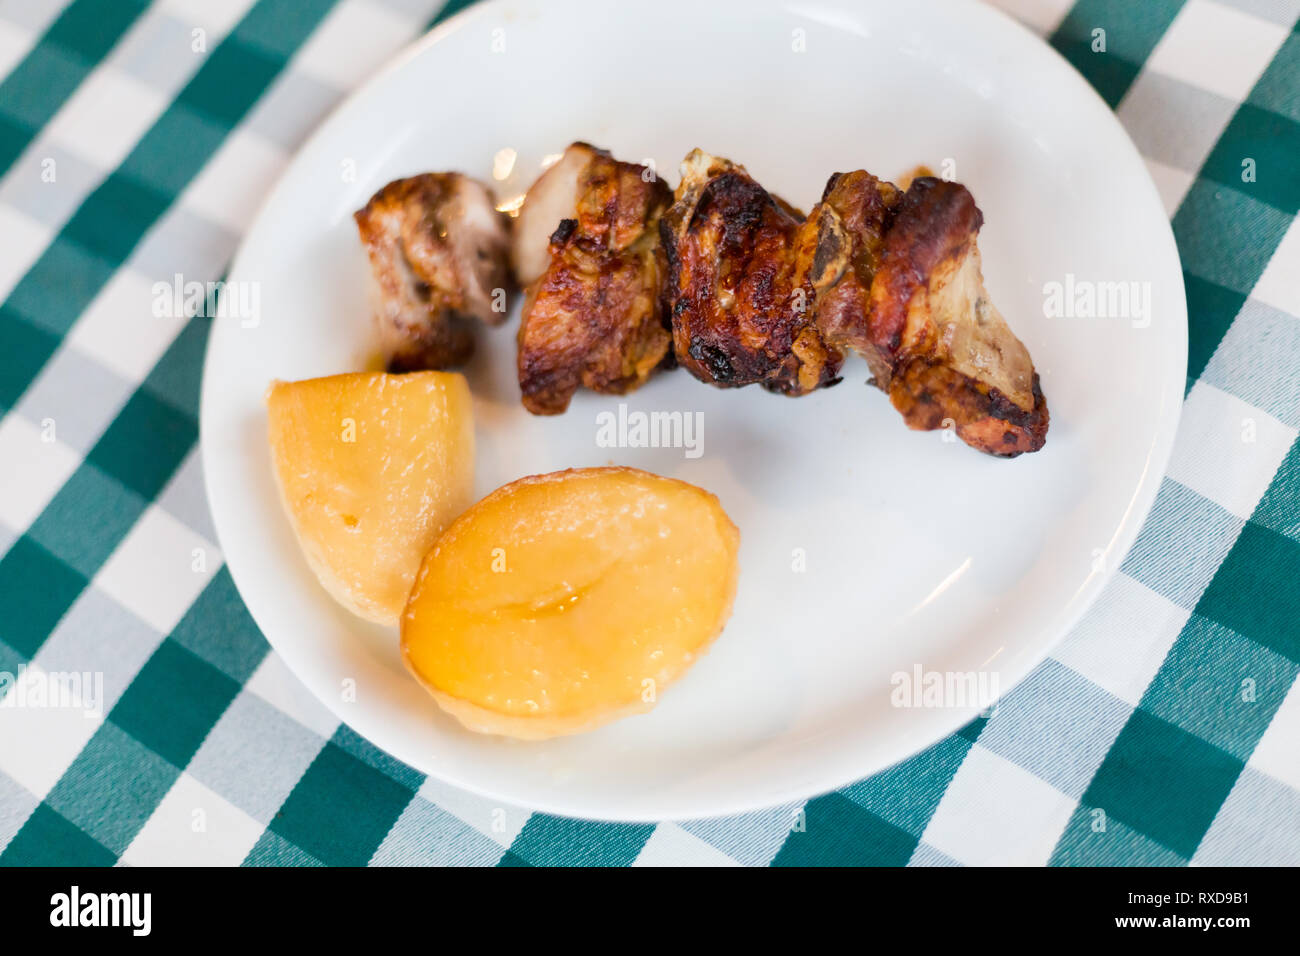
<point>868,550</point>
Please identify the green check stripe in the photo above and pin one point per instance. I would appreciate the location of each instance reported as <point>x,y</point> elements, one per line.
<point>1268,144</point>
<point>173,702</point>
<point>341,809</point>
<point>1211,309</point>
<point>451,8</point>
<point>117,781</point>
<point>854,827</point>
<point>1163,780</point>
<point>1130,32</point>
<point>1226,238</point>
<point>559,841</point>
<point>43,587</point>
<point>114,218</point>
<point>838,832</point>
<point>70,49</point>
<point>50,839</point>
<point>878,821</point>
<point>140,451</point>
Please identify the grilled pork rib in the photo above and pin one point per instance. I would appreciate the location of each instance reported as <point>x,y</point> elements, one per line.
<point>623,276</point>
<point>593,314</point>
<point>757,295</point>
<point>439,253</point>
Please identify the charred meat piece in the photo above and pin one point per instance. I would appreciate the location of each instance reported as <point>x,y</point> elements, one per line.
<point>934,339</point>
<point>758,294</point>
<point>740,283</point>
<point>593,314</point>
<point>439,253</point>
<point>846,233</point>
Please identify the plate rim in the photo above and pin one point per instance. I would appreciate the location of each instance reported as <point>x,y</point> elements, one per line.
<point>1140,503</point>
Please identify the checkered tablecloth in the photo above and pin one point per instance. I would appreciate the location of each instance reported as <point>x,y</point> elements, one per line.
<point>136,139</point>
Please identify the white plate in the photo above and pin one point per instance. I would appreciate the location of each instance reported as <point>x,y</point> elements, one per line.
<point>919,552</point>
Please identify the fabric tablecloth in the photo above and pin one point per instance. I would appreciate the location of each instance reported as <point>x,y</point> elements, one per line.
<point>137,138</point>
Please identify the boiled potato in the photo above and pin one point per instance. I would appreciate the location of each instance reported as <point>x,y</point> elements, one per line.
<point>371,468</point>
<point>561,602</point>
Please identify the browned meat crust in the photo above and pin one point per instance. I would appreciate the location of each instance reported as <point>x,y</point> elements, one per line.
<point>753,292</point>
<point>936,396</point>
<point>757,294</point>
<point>439,254</point>
<point>850,224</point>
<point>594,317</point>
<point>739,281</point>
<point>935,341</point>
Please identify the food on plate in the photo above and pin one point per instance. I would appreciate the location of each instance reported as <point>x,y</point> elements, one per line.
<point>936,342</point>
<point>440,257</point>
<point>552,198</point>
<point>758,295</point>
<point>561,602</point>
<point>586,246</point>
<point>624,276</point>
<point>739,284</point>
<point>371,467</point>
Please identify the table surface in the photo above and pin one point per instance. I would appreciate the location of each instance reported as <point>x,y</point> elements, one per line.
<point>137,139</point>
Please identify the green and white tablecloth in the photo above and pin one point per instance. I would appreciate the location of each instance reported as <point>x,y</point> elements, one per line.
<point>136,138</point>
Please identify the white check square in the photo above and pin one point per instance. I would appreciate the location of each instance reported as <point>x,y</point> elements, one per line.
<point>1122,641</point>
<point>354,40</point>
<point>496,821</point>
<point>1217,48</point>
<point>215,18</point>
<point>996,814</point>
<point>193,826</point>
<point>38,738</point>
<point>34,469</point>
<point>22,240</point>
<point>106,117</point>
<point>1279,286</point>
<point>120,329</point>
<point>1228,450</point>
<point>159,569</point>
<point>234,182</point>
<point>274,683</point>
<point>670,845</point>
<point>1278,751</point>
<point>15,41</point>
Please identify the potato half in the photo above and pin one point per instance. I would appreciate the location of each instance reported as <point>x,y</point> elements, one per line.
<point>561,602</point>
<point>372,467</point>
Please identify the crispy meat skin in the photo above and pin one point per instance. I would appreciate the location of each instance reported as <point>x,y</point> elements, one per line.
<point>758,294</point>
<point>935,341</point>
<point>755,293</point>
<point>850,225</point>
<point>438,251</point>
<point>594,317</point>
<point>740,283</point>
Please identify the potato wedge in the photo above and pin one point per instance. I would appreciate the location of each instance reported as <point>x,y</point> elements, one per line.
<point>561,602</point>
<point>371,469</point>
